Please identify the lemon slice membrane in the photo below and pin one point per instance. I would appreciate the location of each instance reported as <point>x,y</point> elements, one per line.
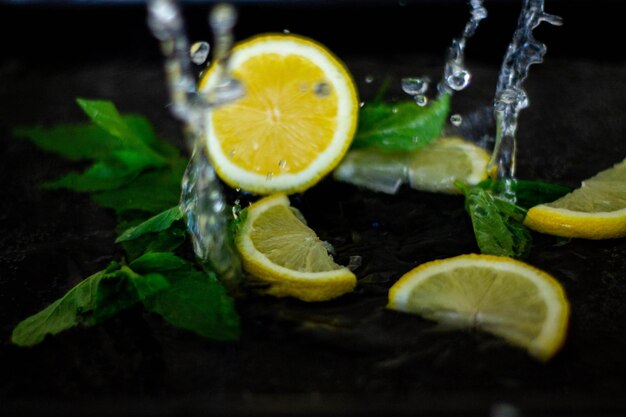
<point>499,295</point>
<point>595,210</point>
<point>295,121</point>
<point>277,248</point>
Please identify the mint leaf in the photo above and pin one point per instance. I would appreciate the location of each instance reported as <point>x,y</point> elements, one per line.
<point>528,193</point>
<point>158,223</point>
<point>165,241</point>
<point>497,223</point>
<point>196,301</point>
<point>74,308</point>
<point>152,192</point>
<point>402,126</point>
<point>159,262</point>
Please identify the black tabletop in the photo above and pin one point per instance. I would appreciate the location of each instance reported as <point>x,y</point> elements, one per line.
<point>350,355</point>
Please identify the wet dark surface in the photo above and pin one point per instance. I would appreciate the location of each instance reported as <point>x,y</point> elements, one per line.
<point>347,356</point>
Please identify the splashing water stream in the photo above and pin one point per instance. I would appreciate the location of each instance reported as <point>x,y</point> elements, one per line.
<point>510,98</point>
<point>202,198</point>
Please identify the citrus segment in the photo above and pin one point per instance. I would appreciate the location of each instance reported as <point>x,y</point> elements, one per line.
<point>499,295</point>
<point>596,210</point>
<point>295,121</point>
<point>279,249</point>
<point>434,168</point>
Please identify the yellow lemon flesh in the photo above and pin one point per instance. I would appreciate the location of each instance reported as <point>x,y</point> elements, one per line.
<point>434,168</point>
<point>295,121</point>
<point>279,249</point>
<point>499,295</point>
<point>596,210</point>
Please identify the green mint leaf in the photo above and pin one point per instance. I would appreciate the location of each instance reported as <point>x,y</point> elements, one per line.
<point>159,262</point>
<point>196,301</point>
<point>134,135</point>
<point>402,126</point>
<point>74,308</point>
<point>158,223</point>
<point>497,223</point>
<point>151,192</point>
<point>165,241</point>
<point>528,193</point>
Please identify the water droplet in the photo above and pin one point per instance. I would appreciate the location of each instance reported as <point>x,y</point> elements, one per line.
<point>286,31</point>
<point>394,110</point>
<point>456,119</point>
<point>415,86</point>
<point>421,100</point>
<point>238,189</point>
<point>236,209</point>
<point>282,164</point>
<point>269,176</point>
<point>232,153</point>
<point>458,79</point>
<point>361,104</point>
<point>199,52</point>
<point>322,89</point>
<point>369,79</point>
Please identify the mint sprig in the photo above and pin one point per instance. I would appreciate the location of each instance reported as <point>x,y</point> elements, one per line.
<point>138,176</point>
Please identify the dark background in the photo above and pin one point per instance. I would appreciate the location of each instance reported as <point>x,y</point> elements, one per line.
<point>348,356</point>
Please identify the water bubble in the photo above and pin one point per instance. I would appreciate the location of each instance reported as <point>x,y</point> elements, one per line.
<point>369,79</point>
<point>458,79</point>
<point>282,164</point>
<point>286,31</point>
<point>355,262</point>
<point>322,89</point>
<point>421,100</point>
<point>269,176</point>
<point>415,86</point>
<point>456,119</point>
<point>199,52</point>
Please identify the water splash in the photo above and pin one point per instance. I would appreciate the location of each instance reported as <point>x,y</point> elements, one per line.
<point>523,51</point>
<point>202,199</point>
<point>456,76</point>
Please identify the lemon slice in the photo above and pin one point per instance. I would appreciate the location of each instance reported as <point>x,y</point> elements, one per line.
<point>295,121</point>
<point>434,168</point>
<point>279,249</point>
<point>505,297</point>
<point>596,210</point>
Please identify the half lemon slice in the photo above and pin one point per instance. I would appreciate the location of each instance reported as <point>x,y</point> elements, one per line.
<point>596,210</point>
<point>499,295</point>
<point>295,121</point>
<point>279,249</point>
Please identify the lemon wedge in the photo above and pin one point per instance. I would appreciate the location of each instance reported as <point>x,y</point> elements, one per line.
<point>294,123</point>
<point>499,295</point>
<point>434,168</point>
<point>279,249</point>
<point>596,210</point>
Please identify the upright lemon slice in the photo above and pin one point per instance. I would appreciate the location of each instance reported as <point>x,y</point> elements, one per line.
<point>295,121</point>
<point>505,297</point>
<point>596,210</point>
<point>278,248</point>
<point>433,168</point>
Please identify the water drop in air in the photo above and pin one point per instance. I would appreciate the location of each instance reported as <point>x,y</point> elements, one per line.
<point>458,79</point>
<point>199,52</point>
<point>456,119</point>
<point>322,89</point>
<point>361,104</point>
<point>421,100</point>
<point>415,86</point>
<point>286,31</point>
<point>369,79</point>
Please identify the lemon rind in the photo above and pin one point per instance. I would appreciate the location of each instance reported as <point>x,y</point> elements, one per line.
<point>575,224</point>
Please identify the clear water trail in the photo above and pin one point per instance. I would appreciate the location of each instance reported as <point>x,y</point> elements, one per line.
<point>202,198</point>
<point>510,98</point>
